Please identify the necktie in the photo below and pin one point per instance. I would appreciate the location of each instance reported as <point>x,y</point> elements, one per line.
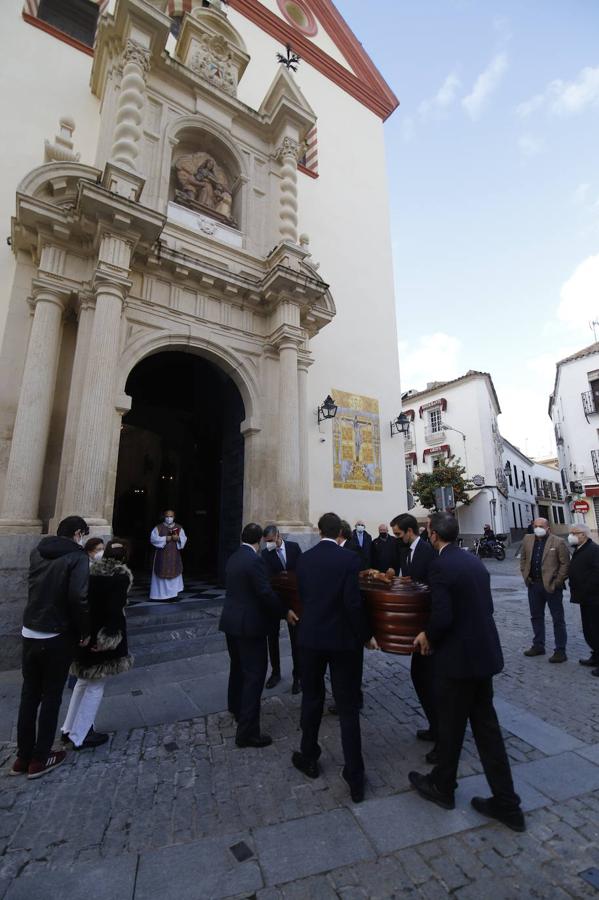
<point>281,556</point>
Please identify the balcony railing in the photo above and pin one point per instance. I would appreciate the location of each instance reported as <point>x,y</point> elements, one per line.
<point>433,437</point>
<point>595,459</point>
<point>589,404</point>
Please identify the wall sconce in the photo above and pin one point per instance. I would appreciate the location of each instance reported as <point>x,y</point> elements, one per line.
<point>328,410</point>
<point>401,425</point>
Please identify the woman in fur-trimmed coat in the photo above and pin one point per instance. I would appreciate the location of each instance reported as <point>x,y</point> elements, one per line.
<point>107,652</point>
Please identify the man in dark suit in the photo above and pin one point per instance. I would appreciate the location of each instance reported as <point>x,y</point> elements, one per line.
<point>281,556</point>
<point>464,639</point>
<point>332,632</point>
<point>383,551</point>
<point>250,608</point>
<point>584,588</point>
<point>361,543</point>
<point>413,561</point>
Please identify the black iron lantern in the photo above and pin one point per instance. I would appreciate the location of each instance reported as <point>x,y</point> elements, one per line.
<point>328,410</point>
<point>401,425</point>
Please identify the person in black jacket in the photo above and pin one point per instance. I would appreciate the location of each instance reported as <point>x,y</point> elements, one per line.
<point>107,652</point>
<point>56,617</point>
<point>332,632</point>
<point>281,556</point>
<point>414,561</point>
<point>463,636</point>
<point>361,543</point>
<point>249,611</point>
<point>383,551</point>
<point>584,588</point>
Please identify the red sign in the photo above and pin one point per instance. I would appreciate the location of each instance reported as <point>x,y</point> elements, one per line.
<point>580,506</point>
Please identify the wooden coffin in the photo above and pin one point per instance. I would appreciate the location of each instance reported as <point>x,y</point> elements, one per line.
<point>399,610</point>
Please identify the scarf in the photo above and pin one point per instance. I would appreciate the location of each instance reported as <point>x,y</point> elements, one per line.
<point>167,562</point>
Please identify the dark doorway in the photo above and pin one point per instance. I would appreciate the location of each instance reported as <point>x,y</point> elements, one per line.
<point>181,448</point>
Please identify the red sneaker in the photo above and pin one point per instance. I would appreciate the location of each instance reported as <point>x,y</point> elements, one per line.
<point>19,767</point>
<point>37,768</point>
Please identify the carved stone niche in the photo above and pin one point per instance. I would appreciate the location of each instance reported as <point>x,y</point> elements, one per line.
<point>205,178</point>
<point>210,46</point>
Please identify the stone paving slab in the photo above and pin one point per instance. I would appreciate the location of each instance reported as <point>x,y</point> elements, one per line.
<point>203,869</point>
<point>561,777</point>
<point>113,879</point>
<point>310,845</point>
<point>478,786</point>
<point>542,735</point>
<point>590,753</point>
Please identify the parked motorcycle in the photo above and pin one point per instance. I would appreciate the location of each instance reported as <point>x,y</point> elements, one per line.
<point>493,549</point>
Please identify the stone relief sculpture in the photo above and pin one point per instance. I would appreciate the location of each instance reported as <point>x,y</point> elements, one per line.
<point>213,62</point>
<point>203,185</point>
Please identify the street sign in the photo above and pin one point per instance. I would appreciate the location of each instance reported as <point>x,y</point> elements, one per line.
<point>444,498</point>
<point>580,506</point>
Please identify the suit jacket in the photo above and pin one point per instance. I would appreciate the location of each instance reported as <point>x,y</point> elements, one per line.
<point>334,614</point>
<point>461,628</point>
<point>251,607</point>
<point>383,553</point>
<point>274,565</point>
<point>364,551</point>
<point>555,563</point>
<point>584,574</point>
<point>418,568</point>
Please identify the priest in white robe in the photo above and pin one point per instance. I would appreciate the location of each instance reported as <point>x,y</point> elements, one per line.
<point>168,539</point>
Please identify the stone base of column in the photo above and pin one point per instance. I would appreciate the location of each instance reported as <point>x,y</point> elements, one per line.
<point>305,537</point>
<point>20,526</point>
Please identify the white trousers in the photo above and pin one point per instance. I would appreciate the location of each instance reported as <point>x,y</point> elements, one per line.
<point>85,702</point>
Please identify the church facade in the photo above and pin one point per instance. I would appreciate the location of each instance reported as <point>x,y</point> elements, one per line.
<point>197,260</point>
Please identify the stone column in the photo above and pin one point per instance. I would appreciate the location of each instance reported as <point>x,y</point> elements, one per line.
<point>86,490</point>
<point>288,155</point>
<point>304,467</point>
<point>289,491</point>
<point>32,423</point>
<point>127,132</point>
<point>76,393</point>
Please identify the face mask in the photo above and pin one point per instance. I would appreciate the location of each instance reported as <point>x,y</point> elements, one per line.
<point>540,532</point>
<point>359,529</point>
<point>573,539</point>
<point>271,545</point>
<point>80,540</point>
<point>99,554</point>
<point>168,520</point>
<point>383,535</point>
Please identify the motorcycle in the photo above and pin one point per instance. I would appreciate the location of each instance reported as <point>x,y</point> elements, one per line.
<point>493,549</point>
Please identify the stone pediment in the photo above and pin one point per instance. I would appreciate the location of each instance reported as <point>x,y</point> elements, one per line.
<point>210,47</point>
<point>284,100</point>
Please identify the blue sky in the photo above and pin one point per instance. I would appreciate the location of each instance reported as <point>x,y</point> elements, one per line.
<point>494,190</point>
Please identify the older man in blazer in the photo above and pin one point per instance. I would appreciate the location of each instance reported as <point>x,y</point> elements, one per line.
<point>249,611</point>
<point>544,563</point>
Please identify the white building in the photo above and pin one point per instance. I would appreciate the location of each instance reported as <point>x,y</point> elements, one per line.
<point>458,419</point>
<point>187,274</point>
<point>574,411</point>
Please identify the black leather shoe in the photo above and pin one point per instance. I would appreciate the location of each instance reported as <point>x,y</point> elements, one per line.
<point>273,681</point>
<point>308,766</point>
<point>356,787</point>
<point>559,656</point>
<point>534,651</point>
<point>430,791</point>
<point>94,739</point>
<point>263,740</point>
<point>591,662</point>
<point>432,757</point>
<point>513,818</point>
<point>425,734</point>
<point>296,687</point>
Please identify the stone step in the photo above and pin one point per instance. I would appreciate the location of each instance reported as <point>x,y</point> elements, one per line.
<point>166,650</point>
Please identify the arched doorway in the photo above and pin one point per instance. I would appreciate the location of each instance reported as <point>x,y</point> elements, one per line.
<point>181,447</point>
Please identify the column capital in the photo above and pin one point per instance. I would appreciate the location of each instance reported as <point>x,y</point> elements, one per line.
<point>137,54</point>
<point>46,291</point>
<point>111,286</point>
<point>287,337</point>
<point>288,148</point>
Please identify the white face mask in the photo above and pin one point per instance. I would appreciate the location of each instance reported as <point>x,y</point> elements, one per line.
<point>573,539</point>
<point>168,520</point>
<point>80,540</point>
<point>98,554</point>
<point>271,545</point>
<point>540,532</point>
<point>359,529</point>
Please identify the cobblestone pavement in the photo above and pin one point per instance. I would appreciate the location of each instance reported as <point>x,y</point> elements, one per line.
<point>155,813</point>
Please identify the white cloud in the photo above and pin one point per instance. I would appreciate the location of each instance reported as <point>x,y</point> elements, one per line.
<point>565,98</point>
<point>525,420</point>
<point>434,357</point>
<point>579,298</point>
<point>486,83</point>
<point>530,146</point>
<point>443,99</point>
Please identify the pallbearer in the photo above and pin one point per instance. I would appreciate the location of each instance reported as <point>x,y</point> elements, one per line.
<point>167,572</point>
<point>281,556</point>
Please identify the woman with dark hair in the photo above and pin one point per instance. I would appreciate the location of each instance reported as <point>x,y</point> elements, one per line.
<point>94,549</point>
<point>107,652</point>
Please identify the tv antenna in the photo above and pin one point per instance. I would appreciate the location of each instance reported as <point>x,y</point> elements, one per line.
<point>593,326</point>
